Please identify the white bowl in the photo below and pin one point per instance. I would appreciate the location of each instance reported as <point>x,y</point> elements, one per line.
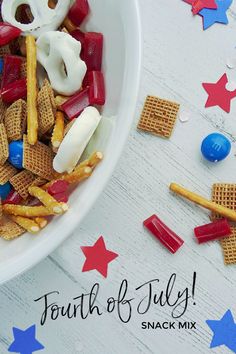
<point>119,21</point>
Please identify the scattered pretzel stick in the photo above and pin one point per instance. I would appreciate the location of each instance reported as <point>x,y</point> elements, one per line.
<point>58,131</point>
<point>42,222</point>
<point>27,224</point>
<point>27,211</point>
<point>193,197</point>
<point>50,203</point>
<point>32,113</point>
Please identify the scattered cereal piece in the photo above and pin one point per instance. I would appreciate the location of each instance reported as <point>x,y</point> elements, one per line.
<point>158,116</point>
<point>225,194</point>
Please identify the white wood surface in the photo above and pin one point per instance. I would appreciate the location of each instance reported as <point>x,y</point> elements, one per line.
<point>178,57</point>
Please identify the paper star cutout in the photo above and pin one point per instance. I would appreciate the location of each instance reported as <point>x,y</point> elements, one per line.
<point>219,15</point>
<point>25,341</point>
<point>198,5</point>
<point>224,332</point>
<point>98,257</point>
<point>218,94</point>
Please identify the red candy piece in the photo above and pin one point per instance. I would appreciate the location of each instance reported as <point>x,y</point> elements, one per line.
<point>13,198</point>
<point>212,231</point>
<point>92,50</point>
<point>58,187</point>
<point>61,197</point>
<point>78,35</point>
<point>11,69</point>
<point>8,33</point>
<point>76,104</point>
<point>166,236</point>
<point>12,92</point>
<point>78,11</point>
<point>96,88</point>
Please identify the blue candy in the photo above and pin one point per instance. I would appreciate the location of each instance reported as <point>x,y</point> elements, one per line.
<point>16,154</point>
<point>5,190</point>
<point>215,147</point>
<point>1,66</point>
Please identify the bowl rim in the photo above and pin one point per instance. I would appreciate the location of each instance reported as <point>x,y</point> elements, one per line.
<point>27,260</point>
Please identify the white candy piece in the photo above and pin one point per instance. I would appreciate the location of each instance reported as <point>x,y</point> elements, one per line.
<point>76,140</point>
<point>45,19</point>
<point>59,54</point>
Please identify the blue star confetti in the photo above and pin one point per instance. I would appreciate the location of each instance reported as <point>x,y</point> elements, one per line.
<point>224,331</point>
<point>219,15</point>
<point>25,341</point>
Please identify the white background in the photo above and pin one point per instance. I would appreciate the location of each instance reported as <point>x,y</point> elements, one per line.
<point>178,57</point>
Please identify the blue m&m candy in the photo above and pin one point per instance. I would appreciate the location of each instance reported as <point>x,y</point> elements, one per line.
<point>16,153</point>
<point>215,147</point>
<point>5,190</point>
<point>1,66</point>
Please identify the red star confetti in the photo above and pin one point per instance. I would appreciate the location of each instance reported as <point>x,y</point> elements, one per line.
<point>198,5</point>
<point>218,95</point>
<point>97,257</point>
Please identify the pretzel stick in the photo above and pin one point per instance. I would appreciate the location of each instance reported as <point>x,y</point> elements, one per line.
<point>58,131</point>
<point>42,222</point>
<point>27,211</point>
<point>78,175</point>
<point>193,197</point>
<point>32,113</point>
<point>27,224</point>
<point>50,203</point>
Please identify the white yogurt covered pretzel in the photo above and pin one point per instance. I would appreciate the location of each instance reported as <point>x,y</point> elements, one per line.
<point>45,18</point>
<point>59,54</point>
<point>76,140</point>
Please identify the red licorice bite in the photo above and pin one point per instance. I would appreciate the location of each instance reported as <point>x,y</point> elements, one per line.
<point>76,104</point>
<point>11,69</point>
<point>213,231</point>
<point>58,187</point>
<point>92,50</point>
<point>78,35</point>
<point>78,11</point>
<point>96,88</point>
<point>14,91</point>
<point>162,232</point>
<point>8,33</point>
<point>13,198</point>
